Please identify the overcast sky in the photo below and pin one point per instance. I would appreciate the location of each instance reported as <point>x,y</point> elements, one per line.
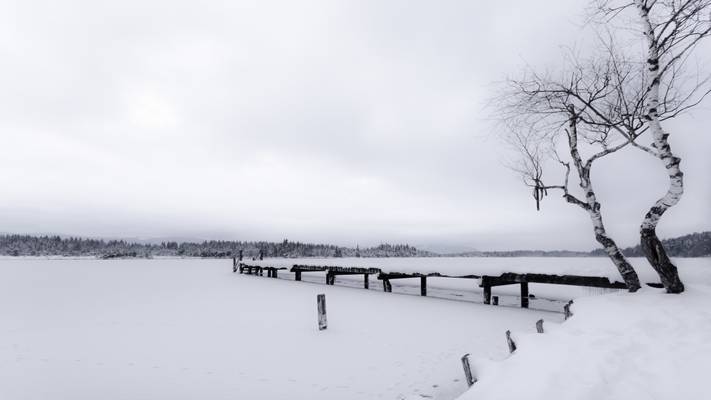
<point>348,122</point>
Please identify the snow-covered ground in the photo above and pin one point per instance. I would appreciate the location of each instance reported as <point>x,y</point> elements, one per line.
<point>647,345</point>
<point>188,329</point>
<point>191,329</point>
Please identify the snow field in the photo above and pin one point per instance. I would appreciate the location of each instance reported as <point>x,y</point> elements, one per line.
<point>186,329</point>
<point>647,345</point>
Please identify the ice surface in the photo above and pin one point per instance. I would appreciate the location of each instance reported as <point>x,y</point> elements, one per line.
<point>191,329</point>
<point>188,329</point>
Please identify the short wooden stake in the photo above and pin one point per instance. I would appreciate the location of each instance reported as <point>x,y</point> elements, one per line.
<point>274,273</point>
<point>510,342</point>
<point>487,294</point>
<point>495,300</point>
<point>423,286</point>
<point>321,303</point>
<point>468,370</point>
<point>566,310</point>
<point>539,326</point>
<point>297,275</point>
<point>366,282</point>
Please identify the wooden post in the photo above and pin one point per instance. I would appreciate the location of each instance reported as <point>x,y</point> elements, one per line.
<point>487,294</point>
<point>566,310</point>
<point>468,370</point>
<point>423,286</point>
<point>524,294</point>
<point>269,272</point>
<point>539,326</point>
<point>366,283</point>
<point>330,279</point>
<point>510,342</point>
<point>321,304</point>
<point>297,275</point>
<point>495,300</point>
<point>274,273</point>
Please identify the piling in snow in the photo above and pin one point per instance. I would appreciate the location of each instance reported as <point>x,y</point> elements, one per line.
<point>321,303</point>
<point>566,310</point>
<point>510,342</point>
<point>468,370</point>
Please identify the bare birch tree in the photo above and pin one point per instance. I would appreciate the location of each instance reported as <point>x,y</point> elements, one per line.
<point>671,30</point>
<point>589,105</point>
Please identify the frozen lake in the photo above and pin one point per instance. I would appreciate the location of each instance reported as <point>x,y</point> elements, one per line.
<point>188,329</point>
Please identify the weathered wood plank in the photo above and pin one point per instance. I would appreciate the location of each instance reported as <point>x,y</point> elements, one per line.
<point>403,275</point>
<point>510,278</point>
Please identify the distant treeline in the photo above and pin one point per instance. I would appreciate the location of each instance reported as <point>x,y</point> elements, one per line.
<point>693,245</point>
<point>26,245</point>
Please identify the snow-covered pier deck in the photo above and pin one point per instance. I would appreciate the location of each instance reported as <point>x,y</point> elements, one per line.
<point>488,276</point>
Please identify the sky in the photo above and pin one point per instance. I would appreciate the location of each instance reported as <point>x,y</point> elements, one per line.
<point>346,122</point>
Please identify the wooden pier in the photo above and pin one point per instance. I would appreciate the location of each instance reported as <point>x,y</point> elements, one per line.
<point>486,282</point>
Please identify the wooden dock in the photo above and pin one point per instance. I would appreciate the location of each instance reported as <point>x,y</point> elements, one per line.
<point>486,282</point>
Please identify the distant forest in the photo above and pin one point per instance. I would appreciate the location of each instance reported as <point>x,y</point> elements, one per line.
<point>693,245</point>
<point>26,245</point>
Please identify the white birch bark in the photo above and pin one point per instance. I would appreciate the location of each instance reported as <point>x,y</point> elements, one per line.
<point>592,206</point>
<point>651,245</point>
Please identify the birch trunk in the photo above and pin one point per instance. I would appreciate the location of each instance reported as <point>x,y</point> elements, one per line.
<point>650,243</point>
<point>592,206</point>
